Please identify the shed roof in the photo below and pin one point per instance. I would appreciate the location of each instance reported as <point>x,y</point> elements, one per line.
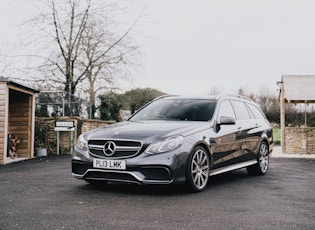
<point>299,88</point>
<point>17,84</point>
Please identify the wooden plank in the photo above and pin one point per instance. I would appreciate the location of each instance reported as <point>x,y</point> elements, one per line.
<point>18,110</point>
<point>24,154</point>
<point>18,119</point>
<point>22,148</point>
<point>21,135</point>
<point>18,123</point>
<point>299,88</point>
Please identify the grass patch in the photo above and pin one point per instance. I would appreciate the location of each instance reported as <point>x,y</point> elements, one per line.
<point>277,136</point>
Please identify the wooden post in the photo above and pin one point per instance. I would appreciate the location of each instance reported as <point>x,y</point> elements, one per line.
<point>282,116</point>
<point>305,114</point>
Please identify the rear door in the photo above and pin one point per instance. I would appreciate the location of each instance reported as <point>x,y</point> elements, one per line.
<point>246,125</point>
<point>259,120</point>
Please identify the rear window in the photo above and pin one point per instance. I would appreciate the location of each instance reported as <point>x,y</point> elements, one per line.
<point>241,110</point>
<point>256,111</point>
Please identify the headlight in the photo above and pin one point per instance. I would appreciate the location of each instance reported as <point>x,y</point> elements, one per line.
<point>166,145</point>
<point>82,143</point>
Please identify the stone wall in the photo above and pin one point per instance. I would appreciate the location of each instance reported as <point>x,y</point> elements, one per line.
<point>299,140</point>
<point>81,126</point>
<point>3,152</point>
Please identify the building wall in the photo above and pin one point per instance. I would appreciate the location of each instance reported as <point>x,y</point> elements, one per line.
<point>299,140</point>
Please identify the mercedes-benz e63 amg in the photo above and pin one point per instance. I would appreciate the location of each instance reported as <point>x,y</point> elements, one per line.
<point>177,139</point>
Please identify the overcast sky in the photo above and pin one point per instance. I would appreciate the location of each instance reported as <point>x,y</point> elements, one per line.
<point>192,46</point>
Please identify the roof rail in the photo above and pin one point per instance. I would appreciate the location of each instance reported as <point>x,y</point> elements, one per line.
<point>162,96</point>
<point>233,95</point>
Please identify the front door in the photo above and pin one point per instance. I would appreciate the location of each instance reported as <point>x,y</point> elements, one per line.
<point>227,140</point>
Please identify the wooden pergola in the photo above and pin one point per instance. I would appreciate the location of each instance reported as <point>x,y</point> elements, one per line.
<point>295,89</point>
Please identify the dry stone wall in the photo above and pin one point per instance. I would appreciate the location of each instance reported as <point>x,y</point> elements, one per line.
<point>300,140</point>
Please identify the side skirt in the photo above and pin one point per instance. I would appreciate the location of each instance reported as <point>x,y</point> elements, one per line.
<point>232,167</point>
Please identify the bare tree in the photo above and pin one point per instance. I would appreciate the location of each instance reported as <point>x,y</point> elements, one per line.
<point>104,58</point>
<point>82,48</point>
<point>68,35</point>
<point>87,49</point>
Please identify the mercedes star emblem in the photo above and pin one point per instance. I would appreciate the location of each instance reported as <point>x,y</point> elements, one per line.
<point>109,148</point>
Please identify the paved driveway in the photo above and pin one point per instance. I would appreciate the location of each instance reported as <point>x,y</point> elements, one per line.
<point>41,194</point>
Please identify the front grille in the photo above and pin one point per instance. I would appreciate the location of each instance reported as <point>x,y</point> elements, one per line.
<point>114,148</point>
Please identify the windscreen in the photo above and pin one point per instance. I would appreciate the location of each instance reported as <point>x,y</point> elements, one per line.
<point>177,109</point>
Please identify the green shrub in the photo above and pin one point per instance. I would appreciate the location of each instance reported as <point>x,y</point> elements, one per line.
<point>277,136</point>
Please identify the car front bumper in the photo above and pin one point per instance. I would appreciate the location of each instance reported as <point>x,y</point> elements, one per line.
<point>164,168</point>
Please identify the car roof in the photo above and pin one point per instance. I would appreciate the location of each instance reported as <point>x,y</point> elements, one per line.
<point>208,97</point>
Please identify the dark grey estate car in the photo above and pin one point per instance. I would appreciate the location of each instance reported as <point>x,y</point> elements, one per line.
<point>177,139</point>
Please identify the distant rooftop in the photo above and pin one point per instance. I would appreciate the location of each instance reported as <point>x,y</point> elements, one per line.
<point>298,88</point>
<point>17,84</point>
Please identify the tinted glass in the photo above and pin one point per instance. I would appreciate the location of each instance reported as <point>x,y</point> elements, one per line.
<point>241,110</point>
<point>177,109</point>
<point>257,113</point>
<point>226,110</point>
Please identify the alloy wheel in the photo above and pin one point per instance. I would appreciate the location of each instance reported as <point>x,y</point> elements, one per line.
<point>263,158</point>
<point>200,169</point>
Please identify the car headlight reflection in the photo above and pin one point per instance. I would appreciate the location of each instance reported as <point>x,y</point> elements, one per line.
<point>166,145</point>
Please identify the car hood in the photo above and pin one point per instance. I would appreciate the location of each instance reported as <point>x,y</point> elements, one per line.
<point>147,131</point>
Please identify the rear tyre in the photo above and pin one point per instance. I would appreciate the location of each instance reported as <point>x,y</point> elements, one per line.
<point>197,174</point>
<point>262,166</point>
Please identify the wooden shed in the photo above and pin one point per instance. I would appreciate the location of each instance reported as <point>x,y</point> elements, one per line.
<point>297,89</point>
<point>17,116</point>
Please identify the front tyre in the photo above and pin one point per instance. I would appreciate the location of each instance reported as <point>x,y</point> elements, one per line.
<point>262,166</point>
<point>197,174</point>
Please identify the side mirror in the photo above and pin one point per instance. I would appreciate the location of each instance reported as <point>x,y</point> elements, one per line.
<point>224,120</point>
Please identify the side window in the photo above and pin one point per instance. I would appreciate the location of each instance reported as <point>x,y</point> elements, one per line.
<point>257,112</point>
<point>241,110</point>
<point>226,109</point>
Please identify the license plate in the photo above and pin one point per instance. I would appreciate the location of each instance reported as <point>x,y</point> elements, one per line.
<point>109,164</point>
